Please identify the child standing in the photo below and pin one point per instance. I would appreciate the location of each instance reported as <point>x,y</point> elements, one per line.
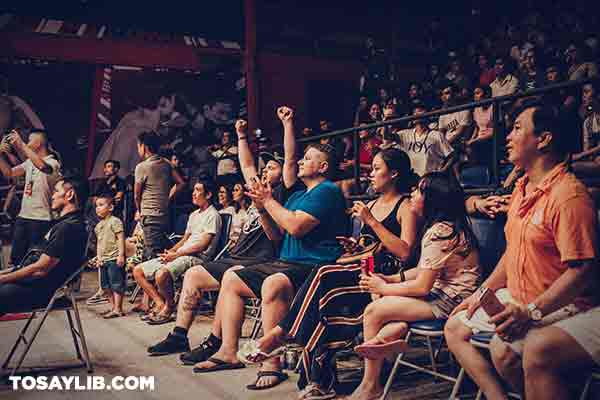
<point>110,254</point>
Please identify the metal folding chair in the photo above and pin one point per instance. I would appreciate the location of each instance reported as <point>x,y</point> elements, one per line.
<point>62,300</point>
<point>432,331</point>
<point>594,376</point>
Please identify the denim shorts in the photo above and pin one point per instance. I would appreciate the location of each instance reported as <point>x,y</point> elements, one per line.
<point>441,304</point>
<point>113,277</point>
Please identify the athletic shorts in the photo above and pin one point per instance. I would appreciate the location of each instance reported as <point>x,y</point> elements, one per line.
<point>255,275</point>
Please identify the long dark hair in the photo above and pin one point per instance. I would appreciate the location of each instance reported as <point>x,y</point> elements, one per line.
<point>445,202</point>
<point>398,161</point>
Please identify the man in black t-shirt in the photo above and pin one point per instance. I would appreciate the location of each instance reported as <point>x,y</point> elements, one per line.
<point>113,184</point>
<point>32,286</point>
<point>253,247</point>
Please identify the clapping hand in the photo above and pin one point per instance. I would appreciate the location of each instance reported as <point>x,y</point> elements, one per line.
<point>259,192</point>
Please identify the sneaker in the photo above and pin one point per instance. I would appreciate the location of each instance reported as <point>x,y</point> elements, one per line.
<point>201,353</point>
<point>97,298</point>
<point>315,392</point>
<point>171,345</point>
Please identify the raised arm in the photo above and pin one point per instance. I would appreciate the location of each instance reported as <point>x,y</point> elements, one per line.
<point>290,165</point>
<point>7,170</point>
<point>245,157</point>
<point>22,148</point>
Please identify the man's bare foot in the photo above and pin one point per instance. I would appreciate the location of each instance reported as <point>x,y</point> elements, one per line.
<point>264,381</point>
<point>220,355</point>
<point>164,311</point>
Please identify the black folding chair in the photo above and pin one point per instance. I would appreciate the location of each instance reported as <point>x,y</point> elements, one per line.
<point>63,299</point>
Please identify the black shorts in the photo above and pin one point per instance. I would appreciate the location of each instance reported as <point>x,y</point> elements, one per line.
<point>254,275</point>
<point>20,297</point>
<point>218,268</point>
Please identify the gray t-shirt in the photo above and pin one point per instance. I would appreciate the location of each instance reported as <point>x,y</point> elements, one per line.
<point>155,175</point>
<point>37,194</point>
<point>427,152</point>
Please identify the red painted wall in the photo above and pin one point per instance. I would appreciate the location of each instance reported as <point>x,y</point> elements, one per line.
<point>285,80</point>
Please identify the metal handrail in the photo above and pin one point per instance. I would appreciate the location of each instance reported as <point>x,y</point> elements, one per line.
<point>497,102</point>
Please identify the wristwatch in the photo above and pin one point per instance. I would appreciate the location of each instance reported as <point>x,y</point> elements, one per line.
<point>534,313</point>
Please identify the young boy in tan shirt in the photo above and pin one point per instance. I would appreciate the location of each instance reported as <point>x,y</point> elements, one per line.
<point>111,255</point>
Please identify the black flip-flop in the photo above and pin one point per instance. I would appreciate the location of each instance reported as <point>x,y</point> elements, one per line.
<point>160,319</point>
<point>281,377</point>
<point>220,365</point>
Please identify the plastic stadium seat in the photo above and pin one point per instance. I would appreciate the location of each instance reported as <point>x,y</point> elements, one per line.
<point>436,325</point>
<point>475,176</point>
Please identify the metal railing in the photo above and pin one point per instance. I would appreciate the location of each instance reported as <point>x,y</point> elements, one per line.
<point>499,103</point>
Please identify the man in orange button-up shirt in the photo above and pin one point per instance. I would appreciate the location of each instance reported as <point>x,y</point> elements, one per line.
<point>545,274</point>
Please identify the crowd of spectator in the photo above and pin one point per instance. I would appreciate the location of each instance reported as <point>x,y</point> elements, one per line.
<point>512,57</point>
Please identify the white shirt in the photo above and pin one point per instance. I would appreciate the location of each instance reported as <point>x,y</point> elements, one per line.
<point>427,152</point>
<point>449,123</point>
<point>37,194</point>
<point>226,165</point>
<point>504,87</point>
<point>201,223</point>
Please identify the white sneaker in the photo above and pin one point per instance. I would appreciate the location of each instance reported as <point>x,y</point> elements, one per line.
<point>97,298</point>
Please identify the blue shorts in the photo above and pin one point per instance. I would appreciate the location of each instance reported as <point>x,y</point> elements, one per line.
<point>113,277</point>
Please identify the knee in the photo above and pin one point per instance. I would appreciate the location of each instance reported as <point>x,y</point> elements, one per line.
<point>230,282</point>
<point>191,275</point>
<point>162,276</point>
<point>138,273</point>
<point>455,331</point>
<point>276,288</point>
<point>503,357</point>
<point>538,354</point>
<point>371,312</point>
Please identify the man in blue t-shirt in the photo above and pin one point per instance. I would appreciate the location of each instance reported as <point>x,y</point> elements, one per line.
<point>307,225</point>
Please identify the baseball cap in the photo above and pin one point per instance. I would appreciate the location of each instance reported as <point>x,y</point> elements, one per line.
<point>266,156</point>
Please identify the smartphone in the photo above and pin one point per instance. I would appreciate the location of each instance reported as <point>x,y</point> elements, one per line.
<point>490,303</point>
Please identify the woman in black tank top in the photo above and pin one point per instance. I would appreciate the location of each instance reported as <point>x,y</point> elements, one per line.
<point>327,311</point>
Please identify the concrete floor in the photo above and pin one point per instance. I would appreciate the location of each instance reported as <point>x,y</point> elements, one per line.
<point>118,348</point>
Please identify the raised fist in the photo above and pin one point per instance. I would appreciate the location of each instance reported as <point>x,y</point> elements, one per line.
<point>285,114</point>
<point>241,126</point>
